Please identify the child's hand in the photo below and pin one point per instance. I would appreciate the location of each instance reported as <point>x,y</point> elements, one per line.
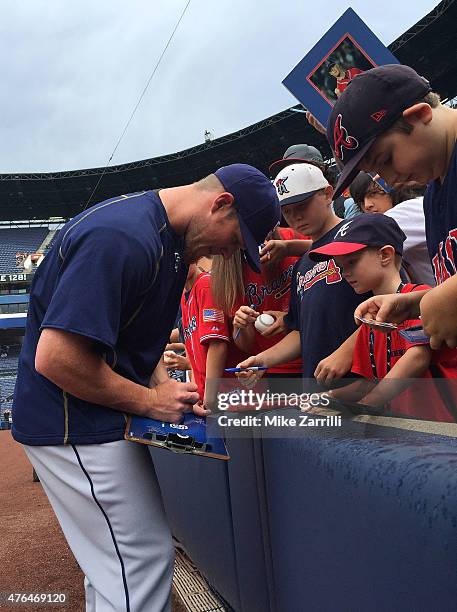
<point>317,125</point>
<point>273,251</point>
<point>200,409</point>
<point>333,367</point>
<point>244,317</point>
<point>174,361</point>
<point>249,378</point>
<point>278,327</point>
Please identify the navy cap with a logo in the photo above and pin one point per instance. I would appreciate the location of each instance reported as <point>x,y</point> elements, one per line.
<point>367,230</point>
<point>370,104</point>
<point>256,204</point>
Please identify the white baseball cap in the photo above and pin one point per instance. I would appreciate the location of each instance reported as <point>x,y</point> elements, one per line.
<point>299,182</point>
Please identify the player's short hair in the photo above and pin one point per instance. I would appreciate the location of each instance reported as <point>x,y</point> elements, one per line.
<point>212,183</point>
<point>402,125</point>
<point>209,183</point>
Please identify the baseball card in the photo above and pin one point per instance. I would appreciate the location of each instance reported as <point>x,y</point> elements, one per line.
<point>377,324</point>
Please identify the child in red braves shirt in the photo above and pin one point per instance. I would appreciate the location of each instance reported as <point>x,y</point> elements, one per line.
<point>369,251</point>
<point>265,292</point>
<point>206,331</point>
<point>268,292</point>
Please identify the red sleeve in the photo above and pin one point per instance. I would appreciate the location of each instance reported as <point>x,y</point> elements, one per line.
<point>354,72</point>
<point>212,323</point>
<point>361,364</point>
<point>415,288</point>
<point>287,233</point>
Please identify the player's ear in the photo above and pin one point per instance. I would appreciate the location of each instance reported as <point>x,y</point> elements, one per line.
<point>418,113</point>
<point>222,200</point>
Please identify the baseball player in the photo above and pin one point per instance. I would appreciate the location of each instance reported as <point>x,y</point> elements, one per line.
<point>342,76</point>
<point>102,306</point>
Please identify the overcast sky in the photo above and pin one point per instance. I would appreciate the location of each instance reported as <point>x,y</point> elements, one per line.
<point>72,71</point>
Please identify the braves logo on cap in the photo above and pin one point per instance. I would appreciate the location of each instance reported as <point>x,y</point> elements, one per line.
<point>343,230</point>
<point>281,186</point>
<point>342,139</point>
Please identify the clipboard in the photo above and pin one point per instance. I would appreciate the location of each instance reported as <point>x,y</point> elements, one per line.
<point>190,437</point>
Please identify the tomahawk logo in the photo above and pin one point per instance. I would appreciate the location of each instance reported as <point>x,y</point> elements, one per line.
<point>341,138</point>
<point>281,186</point>
<point>343,230</point>
<point>379,115</point>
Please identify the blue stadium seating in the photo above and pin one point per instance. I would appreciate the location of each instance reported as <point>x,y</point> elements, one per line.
<point>16,240</point>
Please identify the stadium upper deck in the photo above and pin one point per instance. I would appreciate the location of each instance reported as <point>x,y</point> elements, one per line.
<point>429,47</point>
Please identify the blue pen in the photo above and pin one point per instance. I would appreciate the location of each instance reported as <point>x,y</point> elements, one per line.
<point>237,333</point>
<point>250,369</point>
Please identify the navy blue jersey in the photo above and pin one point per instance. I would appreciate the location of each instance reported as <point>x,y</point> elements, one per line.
<point>321,307</point>
<point>440,210</point>
<point>114,275</point>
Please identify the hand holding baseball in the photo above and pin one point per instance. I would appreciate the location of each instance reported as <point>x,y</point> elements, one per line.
<point>278,326</point>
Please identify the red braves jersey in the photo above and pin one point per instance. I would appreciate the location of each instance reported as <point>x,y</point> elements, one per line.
<point>272,293</point>
<point>350,73</point>
<point>420,400</point>
<point>202,322</point>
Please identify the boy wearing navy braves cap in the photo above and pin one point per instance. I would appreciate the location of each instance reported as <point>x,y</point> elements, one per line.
<point>321,304</point>
<point>368,251</point>
<point>389,121</point>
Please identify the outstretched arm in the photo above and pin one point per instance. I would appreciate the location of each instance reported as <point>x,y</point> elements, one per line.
<point>413,364</point>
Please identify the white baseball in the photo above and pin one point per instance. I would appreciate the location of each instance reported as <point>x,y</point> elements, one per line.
<point>263,322</point>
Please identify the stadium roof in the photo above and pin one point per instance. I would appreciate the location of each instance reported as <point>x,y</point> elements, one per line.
<point>430,47</point>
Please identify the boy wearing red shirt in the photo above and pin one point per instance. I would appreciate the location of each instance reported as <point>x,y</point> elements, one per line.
<point>368,250</point>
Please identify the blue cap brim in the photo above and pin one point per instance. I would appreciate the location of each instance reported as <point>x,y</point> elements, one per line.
<point>251,249</point>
